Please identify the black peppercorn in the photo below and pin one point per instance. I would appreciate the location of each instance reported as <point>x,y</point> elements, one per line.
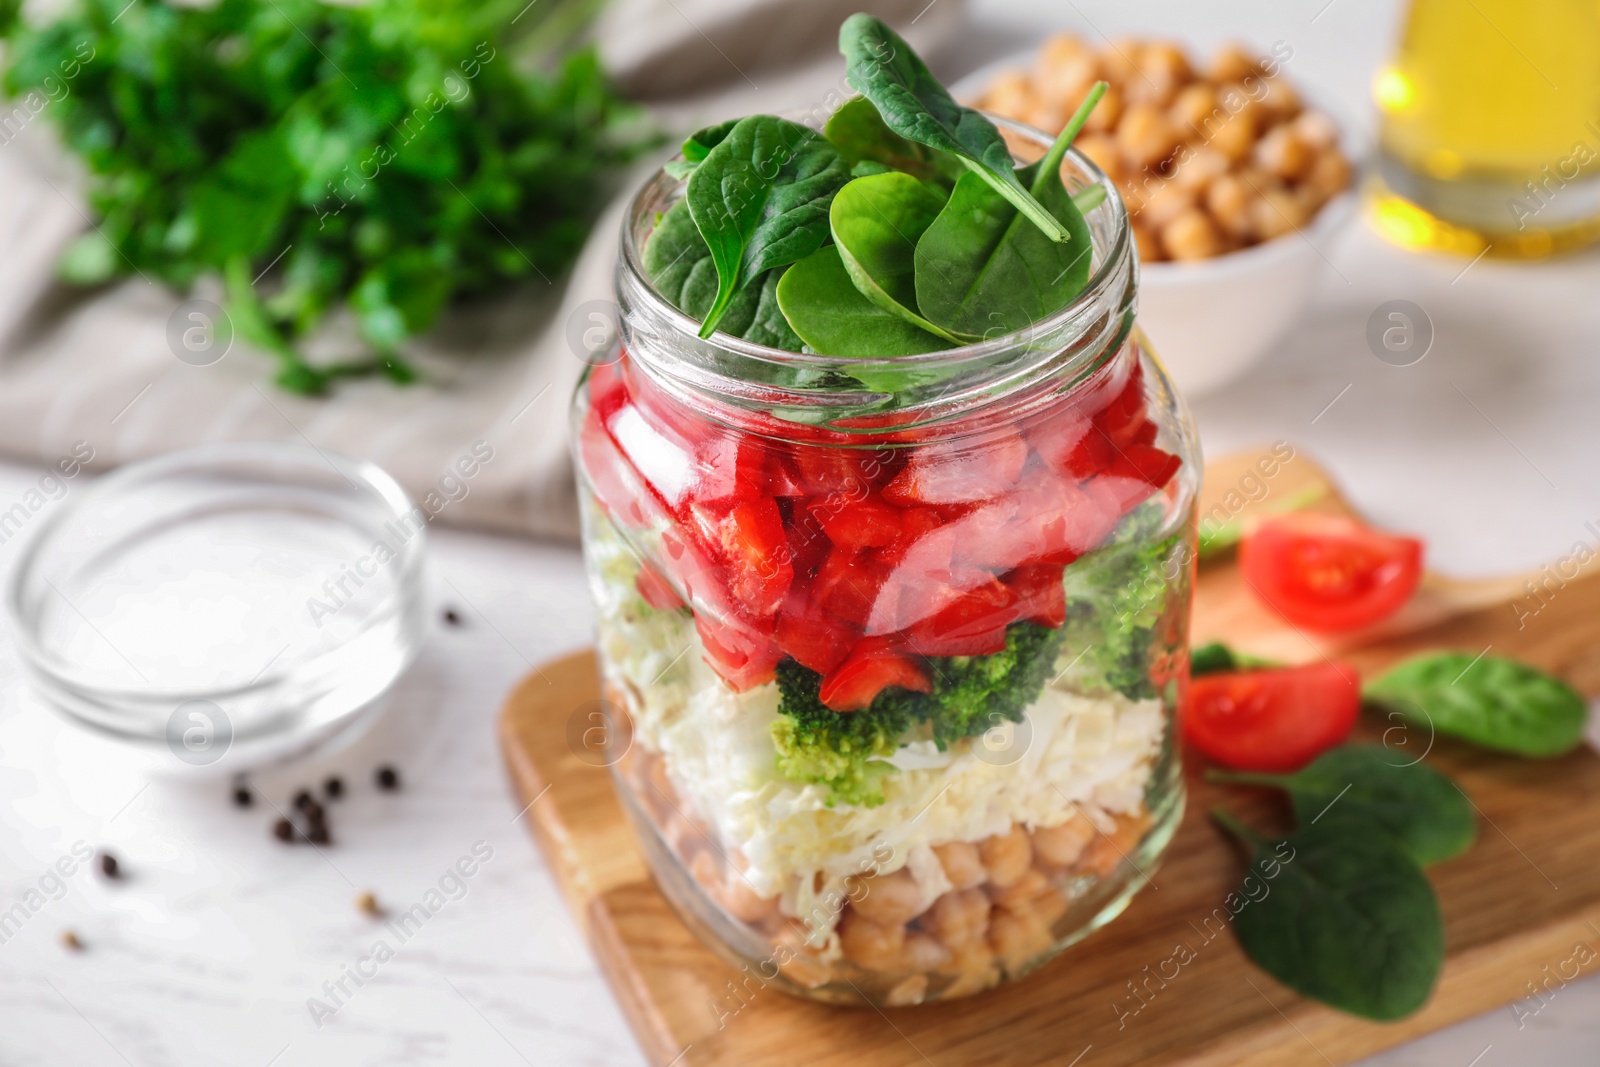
<point>334,787</point>
<point>388,778</point>
<point>242,797</point>
<point>283,830</point>
<point>108,865</point>
<point>302,799</point>
<point>317,833</point>
<point>451,618</point>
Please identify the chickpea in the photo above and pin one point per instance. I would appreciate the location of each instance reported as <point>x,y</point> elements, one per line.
<point>1060,846</point>
<point>973,966</point>
<point>1161,70</point>
<point>1190,236</point>
<point>923,953</point>
<point>1010,95</point>
<point>1233,63</point>
<point>1200,169</point>
<point>1146,136</point>
<point>684,836</point>
<point>708,872</point>
<point>1277,212</point>
<point>802,965</point>
<point>1282,153</point>
<point>1018,894</point>
<point>959,917</point>
<point>907,992</point>
<point>1050,906</point>
<point>1108,851</point>
<point>871,945</point>
<point>1045,115</point>
<point>1235,134</point>
<point>1164,203</point>
<point>1017,938</point>
<point>1329,175</point>
<point>1148,243</point>
<point>1193,107</point>
<point>1006,857</point>
<point>1117,59</point>
<point>1280,100</point>
<point>742,902</point>
<point>1066,81</point>
<point>891,899</point>
<point>1102,148</point>
<point>1060,50</point>
<point>1106,115</point>
<point>1228,200</point>
<point>961,863</point>
<point>1316,129</point>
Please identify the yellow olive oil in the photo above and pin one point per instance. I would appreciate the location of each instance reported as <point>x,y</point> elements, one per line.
<point>1490,128</point>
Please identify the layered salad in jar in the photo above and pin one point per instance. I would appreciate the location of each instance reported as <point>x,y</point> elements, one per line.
<point>898,652</point>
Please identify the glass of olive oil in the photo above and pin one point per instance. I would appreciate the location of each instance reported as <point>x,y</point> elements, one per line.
<point>1490,132</point>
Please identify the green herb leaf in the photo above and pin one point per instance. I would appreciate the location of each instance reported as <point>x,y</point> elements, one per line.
<point>913,104</point>
<point>833,318</point>
<point>697,146</point>
<point>760,200</point>
<point>679,264</point>
<point>876,222</point>
<point>862,137</point>
<point>1489,701</point>
<point>984,270</point>
<point>1425,812</point>
<point>1348,918</point>
<point>1218,658</point>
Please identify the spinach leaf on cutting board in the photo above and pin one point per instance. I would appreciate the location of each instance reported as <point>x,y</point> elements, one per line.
<point>1349,920</point>
<point>1490,701</point>
<point>760,200</point>
<point>1425,812</point>
<point>913,104</point>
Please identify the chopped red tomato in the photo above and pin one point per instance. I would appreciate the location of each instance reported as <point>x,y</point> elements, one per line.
<point>966,617</point>
<point>750,542</point>
<point>812,636</point>
<point>741,654</point>
<point>858,524</point>
<point>1041,598</point>
<point>729,467</point>
<point>848,583</point>
<point>1328,572</point>
<point>820,471</point>
<point>1272,720</point>
<point>656,590</point>
<point>872,667</point>
<point>958,475</point>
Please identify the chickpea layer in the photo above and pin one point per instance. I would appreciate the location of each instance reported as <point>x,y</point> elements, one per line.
<point>1209,160</point>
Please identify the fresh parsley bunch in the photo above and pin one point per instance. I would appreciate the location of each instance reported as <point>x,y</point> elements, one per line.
<point>386,158</point>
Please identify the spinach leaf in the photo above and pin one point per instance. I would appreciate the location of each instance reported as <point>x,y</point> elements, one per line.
<point>679,265</point>
<point>1491,701</point>
<point>1348,919</point>
<point>983,270</point>
<point>760,200</point>
<point>697,146</point>
<point>1425,812</point>
<point>861,136</point>
<point>913,104</point>
<point>876,221</point>
<point>832,316</point>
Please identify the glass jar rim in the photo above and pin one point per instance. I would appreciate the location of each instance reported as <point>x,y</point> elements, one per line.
<point>1117,260</point>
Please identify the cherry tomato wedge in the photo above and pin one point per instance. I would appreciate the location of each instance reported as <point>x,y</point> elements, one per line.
<point>1272,720</point>
<point>1328,572</point>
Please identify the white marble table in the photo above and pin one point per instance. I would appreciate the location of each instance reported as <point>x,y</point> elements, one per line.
<point>210,948</point>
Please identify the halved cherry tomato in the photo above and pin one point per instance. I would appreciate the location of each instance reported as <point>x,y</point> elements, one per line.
<point>1272,720</point>
<point>873,666</point>
<point>1329,572</point>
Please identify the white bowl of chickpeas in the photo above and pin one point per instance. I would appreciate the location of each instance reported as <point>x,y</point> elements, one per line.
<point>1233,185</point>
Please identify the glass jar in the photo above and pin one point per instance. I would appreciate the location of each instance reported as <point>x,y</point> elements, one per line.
<point>899,643</point>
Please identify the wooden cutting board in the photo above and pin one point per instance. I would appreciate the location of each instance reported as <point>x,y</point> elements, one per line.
<point>1520,901</point>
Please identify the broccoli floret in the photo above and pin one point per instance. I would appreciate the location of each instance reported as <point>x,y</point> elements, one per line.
<point>973,693</point>
<point>1115,599</point>
<point>842,750</point>
<point>847,751</point>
